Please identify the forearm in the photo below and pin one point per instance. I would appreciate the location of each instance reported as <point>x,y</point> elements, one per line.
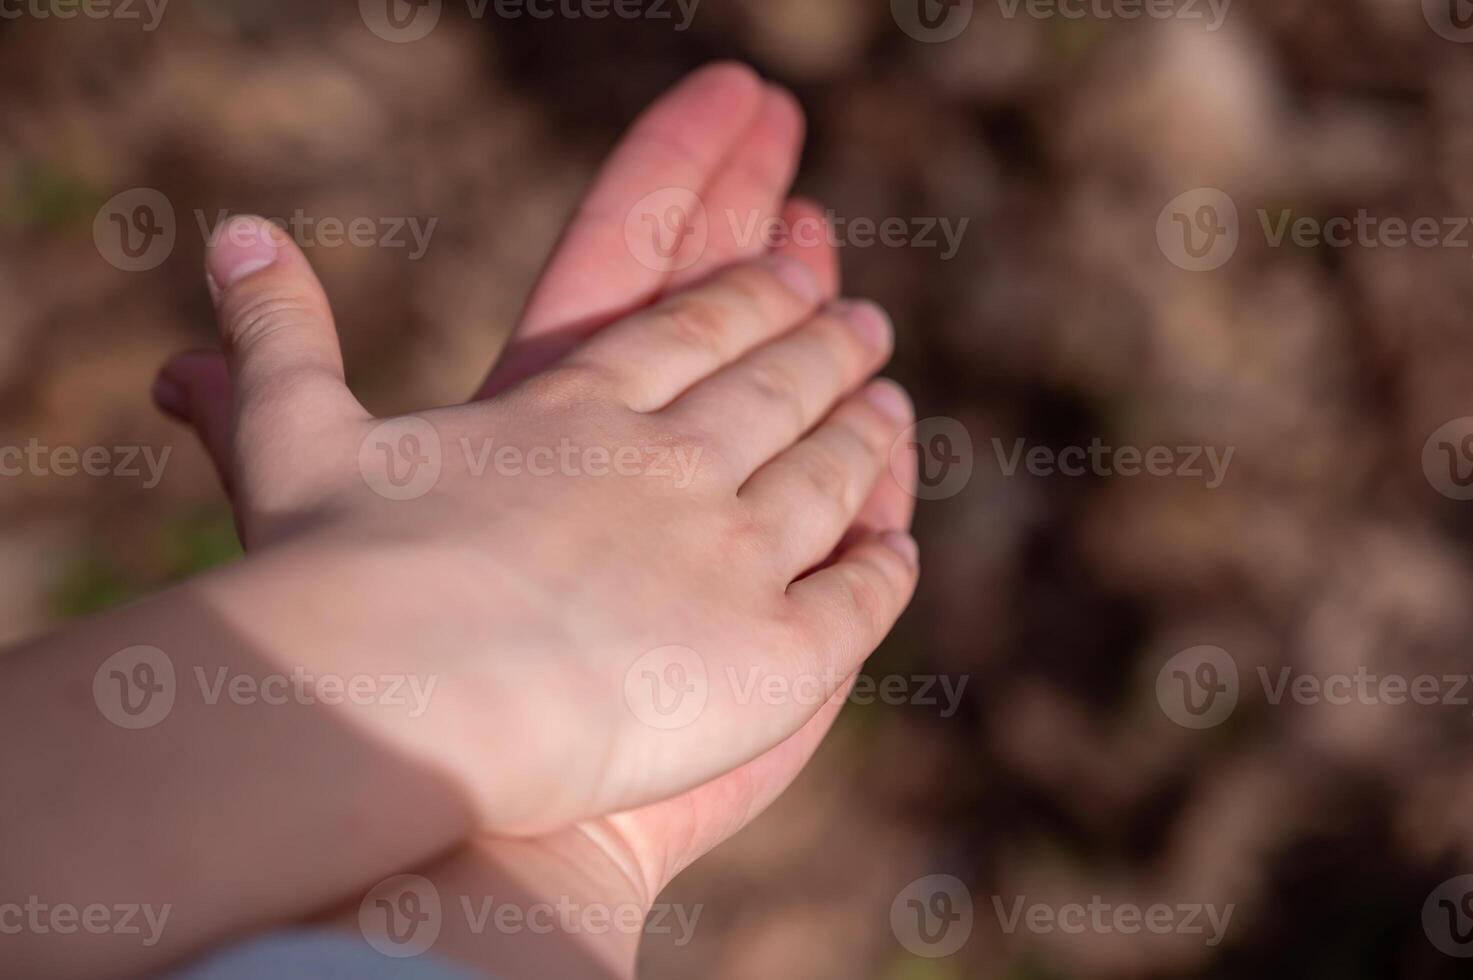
<point>250,800</point>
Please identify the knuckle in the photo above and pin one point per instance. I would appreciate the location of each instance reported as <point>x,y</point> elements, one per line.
<point>867,429</point>
<point>851,355</point>
<point>803,639</point>
<point>778,389</point>
<point>798,633</point>
<point>256,318</point>
<point>858,462</point>
<point>277,392</point>
<point>750,284</point>
<point>761,170</point>
<point>696,324</point>
<point>824,471</point>
<point>570,384</point>
<point>744,536</point>
<point>868,597</point>
<point>688,455</point>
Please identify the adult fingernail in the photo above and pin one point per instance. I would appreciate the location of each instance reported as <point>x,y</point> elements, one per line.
<point>869,321</point>
<point>169,396</point>
<point>889,398</point>
<point>240,247</point>
<point>903,545</point>
<point>797,277</point>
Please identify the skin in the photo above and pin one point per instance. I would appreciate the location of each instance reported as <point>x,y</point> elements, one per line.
<point>521,593</point>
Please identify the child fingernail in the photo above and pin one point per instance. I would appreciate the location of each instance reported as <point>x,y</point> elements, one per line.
<point>797,277</point>
<point>241,246</point>
<point>903,545</point>
<point>889,398</point>
<point>870,322</point>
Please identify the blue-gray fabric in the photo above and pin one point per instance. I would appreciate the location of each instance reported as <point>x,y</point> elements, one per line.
<point>316,955</point>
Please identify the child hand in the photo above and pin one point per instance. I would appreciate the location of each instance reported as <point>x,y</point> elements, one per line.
<point>545,603</point>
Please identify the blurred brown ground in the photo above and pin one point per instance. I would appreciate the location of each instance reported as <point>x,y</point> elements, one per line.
<point>1058,322</point>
